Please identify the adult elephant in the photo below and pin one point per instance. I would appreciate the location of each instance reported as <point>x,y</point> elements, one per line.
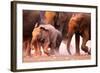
<point>30,18</point>
<point>62,22</point>
<point>51,17</point>
<point>80,25</point>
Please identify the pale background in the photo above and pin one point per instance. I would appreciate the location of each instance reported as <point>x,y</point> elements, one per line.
<point>5,37</point>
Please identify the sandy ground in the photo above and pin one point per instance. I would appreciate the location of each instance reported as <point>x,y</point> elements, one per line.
<point>63,54</point>
<point>56,58</point>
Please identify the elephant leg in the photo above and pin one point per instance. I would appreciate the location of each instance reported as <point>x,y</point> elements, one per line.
<point>24,48</point>
<point>32,44</point>
<point>28,49</point>
<point>57,50</point>
<point>77,40</point>
<point>69,37</point>
<point>55,45</point>
<point>45,48</point>
<point>58,42</point>
<point>83,46</point>
<point>37,48</point>
<point>52,51</point>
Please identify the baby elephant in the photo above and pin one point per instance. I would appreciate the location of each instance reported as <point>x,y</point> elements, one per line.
<point>48,37</point>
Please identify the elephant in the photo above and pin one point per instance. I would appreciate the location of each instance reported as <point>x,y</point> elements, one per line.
<point>30,18</point>
<point>51,17</point>
<point>47,36</point>
<point>80,25</point>
<point>62,22</point>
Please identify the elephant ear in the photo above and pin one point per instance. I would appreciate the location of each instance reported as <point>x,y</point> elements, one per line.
<point>43,28</point>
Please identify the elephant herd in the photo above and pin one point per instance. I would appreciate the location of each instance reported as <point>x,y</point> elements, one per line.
<point>47,29</point>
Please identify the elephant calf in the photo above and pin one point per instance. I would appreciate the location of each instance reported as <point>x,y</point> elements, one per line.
<point>47,36</point>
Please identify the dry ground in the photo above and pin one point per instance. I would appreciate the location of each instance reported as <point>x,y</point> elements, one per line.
<point>63,54</point>
<point>55,58</point>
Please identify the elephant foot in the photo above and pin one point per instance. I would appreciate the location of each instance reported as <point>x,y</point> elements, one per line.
<point>25,54</point>
<point>85,49</point>
<point>37,53</point>
<point>89,51</point>
<point>47,51</point>
<point>68,51</point>
<point>56,53</point>
<point>77,54</point>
